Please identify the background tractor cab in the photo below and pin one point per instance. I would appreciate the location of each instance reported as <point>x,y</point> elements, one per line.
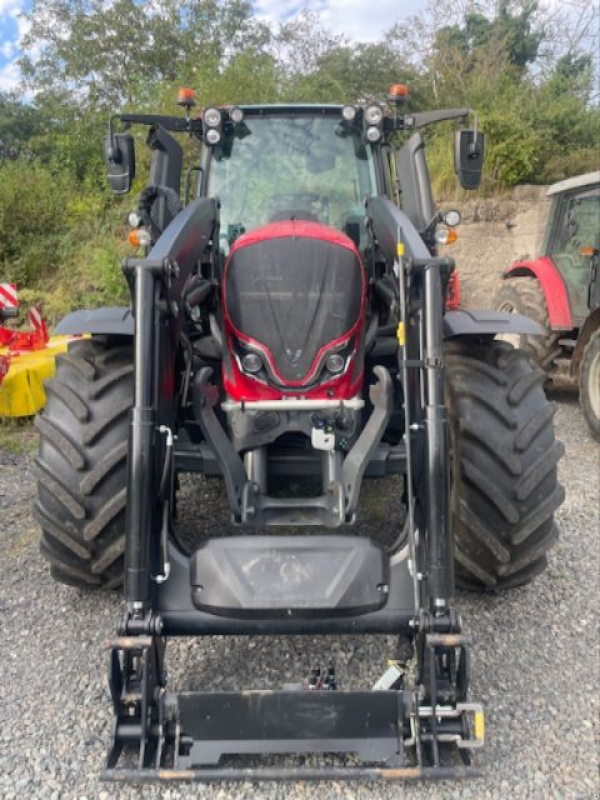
<point>560,289</point>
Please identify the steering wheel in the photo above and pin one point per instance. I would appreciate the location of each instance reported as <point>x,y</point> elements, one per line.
<point>301,205</point>
<point>291,213</point>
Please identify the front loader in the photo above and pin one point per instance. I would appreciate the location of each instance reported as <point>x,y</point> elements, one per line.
<point>287,323</point>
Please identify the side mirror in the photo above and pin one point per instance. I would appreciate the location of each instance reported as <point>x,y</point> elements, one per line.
<point>468,157</point>
<point>119,157</point>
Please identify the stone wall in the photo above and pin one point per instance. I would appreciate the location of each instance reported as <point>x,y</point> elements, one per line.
<point>493,233</point>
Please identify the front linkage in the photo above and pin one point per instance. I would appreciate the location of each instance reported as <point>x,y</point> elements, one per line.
<point>397,732</point>
<point>184,736</point>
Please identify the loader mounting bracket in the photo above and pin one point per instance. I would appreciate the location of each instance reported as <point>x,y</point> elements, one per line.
<point>395,734</point>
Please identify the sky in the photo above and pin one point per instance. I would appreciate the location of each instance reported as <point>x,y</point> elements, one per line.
<point>359,20</point>
<point>11,29</point>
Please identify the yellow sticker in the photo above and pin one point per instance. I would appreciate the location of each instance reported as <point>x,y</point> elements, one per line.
<point>400,334</point>
<point>400,249</point>
<point>479,726</point>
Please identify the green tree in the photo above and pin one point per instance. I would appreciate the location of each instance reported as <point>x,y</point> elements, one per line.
<point>18,124</point>
<point>511,30</point>
<point>102,53</point>
<point>348,73</point>
<point>32,211</point>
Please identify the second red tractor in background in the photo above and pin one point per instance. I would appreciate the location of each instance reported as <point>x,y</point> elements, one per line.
<point>560,289</point>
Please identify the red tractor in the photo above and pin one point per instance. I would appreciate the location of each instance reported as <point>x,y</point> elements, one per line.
<point>560,289</point>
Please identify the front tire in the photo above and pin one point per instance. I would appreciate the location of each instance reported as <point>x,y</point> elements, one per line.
<point>589,384</point>
<point>504,465</point>
<point>526,296</point>
<point>81,464</point>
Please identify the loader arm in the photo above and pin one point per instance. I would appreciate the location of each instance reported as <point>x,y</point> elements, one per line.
<point>213,590</point>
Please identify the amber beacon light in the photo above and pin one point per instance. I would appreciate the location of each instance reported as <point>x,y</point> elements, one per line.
<point>186,97</point>
<point>398,93</point>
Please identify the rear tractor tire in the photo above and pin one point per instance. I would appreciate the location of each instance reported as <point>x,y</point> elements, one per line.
<point>504,465</point>
<point>81,464</point>
<point>525,296</point>
<point>589,384</point>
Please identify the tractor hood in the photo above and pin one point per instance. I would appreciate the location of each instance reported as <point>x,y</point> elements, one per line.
<point>293,294</point>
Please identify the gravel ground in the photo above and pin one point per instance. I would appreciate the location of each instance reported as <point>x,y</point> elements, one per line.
<point>535,665</point>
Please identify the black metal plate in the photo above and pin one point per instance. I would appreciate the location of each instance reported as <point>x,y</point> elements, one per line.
<point>258,722</point>
<point>289,576</point>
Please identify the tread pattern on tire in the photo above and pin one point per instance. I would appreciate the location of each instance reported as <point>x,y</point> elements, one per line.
<point>526,296</point>
<point>590,352</point>
<point>81,465</point>
<point>505,456</point>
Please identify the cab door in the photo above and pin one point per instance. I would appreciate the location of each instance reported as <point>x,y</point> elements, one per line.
<point>574,248</point>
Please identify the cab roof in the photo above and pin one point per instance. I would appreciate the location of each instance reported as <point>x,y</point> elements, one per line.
<point>577,182</point>
<point>292,108</point>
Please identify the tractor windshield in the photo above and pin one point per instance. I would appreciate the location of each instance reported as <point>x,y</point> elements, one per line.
<point>277,167</point>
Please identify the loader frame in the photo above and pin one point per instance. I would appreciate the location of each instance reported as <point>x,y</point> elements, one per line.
<point>169,732</point>
<point>396,733</point>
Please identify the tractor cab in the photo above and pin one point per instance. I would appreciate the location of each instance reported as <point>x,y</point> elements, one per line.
<point>297,251</point>
<point>321,163</point>
<point>296,163</point>
<point>572,239</point>
<point>560,289</point>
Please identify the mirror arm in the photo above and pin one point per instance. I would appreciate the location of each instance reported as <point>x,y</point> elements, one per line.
<point>422,119</point>
<point>114,153</point>
<point>169,123</point>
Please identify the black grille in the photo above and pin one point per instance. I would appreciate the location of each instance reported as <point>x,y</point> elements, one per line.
<point>294,295</point>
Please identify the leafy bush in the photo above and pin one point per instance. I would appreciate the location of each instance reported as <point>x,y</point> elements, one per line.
<point>58,242</point>
<point>90,273</point>
<point>32,212</point>
<point>572,162</point>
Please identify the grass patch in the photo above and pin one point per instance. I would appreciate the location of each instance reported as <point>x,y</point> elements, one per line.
<point>18,436</point>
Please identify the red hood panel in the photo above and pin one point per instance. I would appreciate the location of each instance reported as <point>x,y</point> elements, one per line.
<point>295,290</point>
<point>289,228</point>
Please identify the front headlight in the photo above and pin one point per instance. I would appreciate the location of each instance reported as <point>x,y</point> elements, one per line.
<point>252,363</point>
<point>349,113</point>
<point>335,363</point>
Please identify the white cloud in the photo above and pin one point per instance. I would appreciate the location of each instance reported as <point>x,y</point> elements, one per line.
<point>277,10</point>
<point>358,20</point>
<point>10,7</point>
<point>9,76</point>
<point>363,21</point>
<point>23,26</point>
